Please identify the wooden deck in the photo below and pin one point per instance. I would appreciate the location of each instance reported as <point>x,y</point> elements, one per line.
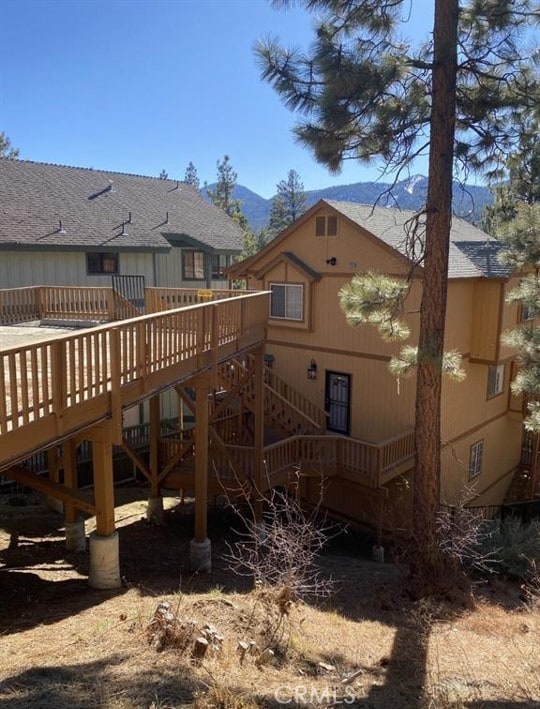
<point>53,389</point>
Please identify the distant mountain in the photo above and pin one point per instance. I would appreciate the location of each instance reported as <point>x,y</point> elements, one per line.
<point>469,201</point>
<point>255,207</point>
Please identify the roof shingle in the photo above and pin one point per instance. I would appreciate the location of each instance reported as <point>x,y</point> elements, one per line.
<point>473,254</point>
<point>92,205</point>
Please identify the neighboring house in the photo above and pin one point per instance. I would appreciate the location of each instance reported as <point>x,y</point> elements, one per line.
<point>72,226</point>
<point>345,369</point>
<point>79,226</point>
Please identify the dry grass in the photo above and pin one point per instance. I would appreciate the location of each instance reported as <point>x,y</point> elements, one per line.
<point>65,646</point>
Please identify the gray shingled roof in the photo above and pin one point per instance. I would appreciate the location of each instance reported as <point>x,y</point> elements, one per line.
<point>473,254</point>
<point>93,204</point>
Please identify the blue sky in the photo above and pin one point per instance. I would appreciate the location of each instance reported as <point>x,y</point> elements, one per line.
<point>141,85</point>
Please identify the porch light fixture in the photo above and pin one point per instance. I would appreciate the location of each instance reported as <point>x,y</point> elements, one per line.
<point>312,370</point>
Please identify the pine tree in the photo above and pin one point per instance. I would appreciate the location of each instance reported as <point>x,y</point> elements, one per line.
<point>523,183</point>
<point>364,93</point>
<point>191,177</point>
<point>222,195</point>
<point>288,204</point>
<point>164,175</point>
<point>6,149</point>
<point>514,218</point>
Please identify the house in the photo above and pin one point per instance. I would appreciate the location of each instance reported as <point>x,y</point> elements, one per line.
<point>345,370</point>
<point>72,226</point>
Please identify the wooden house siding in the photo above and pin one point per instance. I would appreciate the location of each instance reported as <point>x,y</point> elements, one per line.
<point>380,405</point>
<point>65,268</point>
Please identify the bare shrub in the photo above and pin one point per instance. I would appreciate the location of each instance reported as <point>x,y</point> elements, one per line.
<point>514,545</point>
<point>463,533</point>
<point>280,551</point>
<point>279,554</point>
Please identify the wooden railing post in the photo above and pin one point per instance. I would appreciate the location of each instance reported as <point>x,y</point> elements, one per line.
<point>214,341</point>
<point>111,314</point>
<point>58,382</point>
<point>116,383</point>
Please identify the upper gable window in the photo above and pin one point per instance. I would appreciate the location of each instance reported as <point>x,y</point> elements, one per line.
<point>287,301</point>
<point>101,263</point>
<point>193,265</point>
<point>326,226</point>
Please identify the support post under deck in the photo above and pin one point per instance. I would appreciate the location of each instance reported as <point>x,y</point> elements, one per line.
<point>104,554</point>
<point>200,556</point>
<point>154,509</point>
<point>75,533</point>
<point>53,467</point>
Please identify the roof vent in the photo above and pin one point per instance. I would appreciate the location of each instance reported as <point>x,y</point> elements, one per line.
<point>60,229</point>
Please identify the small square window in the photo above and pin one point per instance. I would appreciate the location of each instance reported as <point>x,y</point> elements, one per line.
<point>101,263</point>
<point>193,265</point>
<point>495,380</point>
<point>326,226</point>
<point>287,301</point>
<point>475,459</point>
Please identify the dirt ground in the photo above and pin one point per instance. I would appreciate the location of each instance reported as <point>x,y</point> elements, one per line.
<point>64,645</point>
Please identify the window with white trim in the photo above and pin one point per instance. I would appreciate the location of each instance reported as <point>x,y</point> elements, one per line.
<point>193,265</point>
<point>287,301</point>
<point>476,456</point>
<point>495,380</point>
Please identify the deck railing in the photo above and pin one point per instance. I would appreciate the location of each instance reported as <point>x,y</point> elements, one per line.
<point>19,305</point>
<point>325,455</point>
<point>159,299</point>
<point>95,304</point>
<point>111,366</point>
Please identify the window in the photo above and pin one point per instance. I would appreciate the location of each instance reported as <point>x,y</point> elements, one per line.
<point>526,312</point>
<point>475,459</point>
<point>99,263</point>
<point>325,226</point>
<point>193,265</point>
<point>219,264</point>
<point>287,301</point>
<point>495,380</point>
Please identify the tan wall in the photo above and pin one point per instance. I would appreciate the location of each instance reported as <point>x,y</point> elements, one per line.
<point>382,407</point>
<point>68,268</point>
<point>502,441</point>
<point>353,252</point>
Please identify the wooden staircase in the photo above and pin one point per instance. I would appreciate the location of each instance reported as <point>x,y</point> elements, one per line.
<point>284,407</point>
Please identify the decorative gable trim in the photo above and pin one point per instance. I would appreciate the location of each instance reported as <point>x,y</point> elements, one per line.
<point>289,257</point>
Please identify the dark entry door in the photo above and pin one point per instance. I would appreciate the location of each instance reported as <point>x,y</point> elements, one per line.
<point>338,387</point>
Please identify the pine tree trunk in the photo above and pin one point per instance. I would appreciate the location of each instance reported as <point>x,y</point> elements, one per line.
<point>426,568</point>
